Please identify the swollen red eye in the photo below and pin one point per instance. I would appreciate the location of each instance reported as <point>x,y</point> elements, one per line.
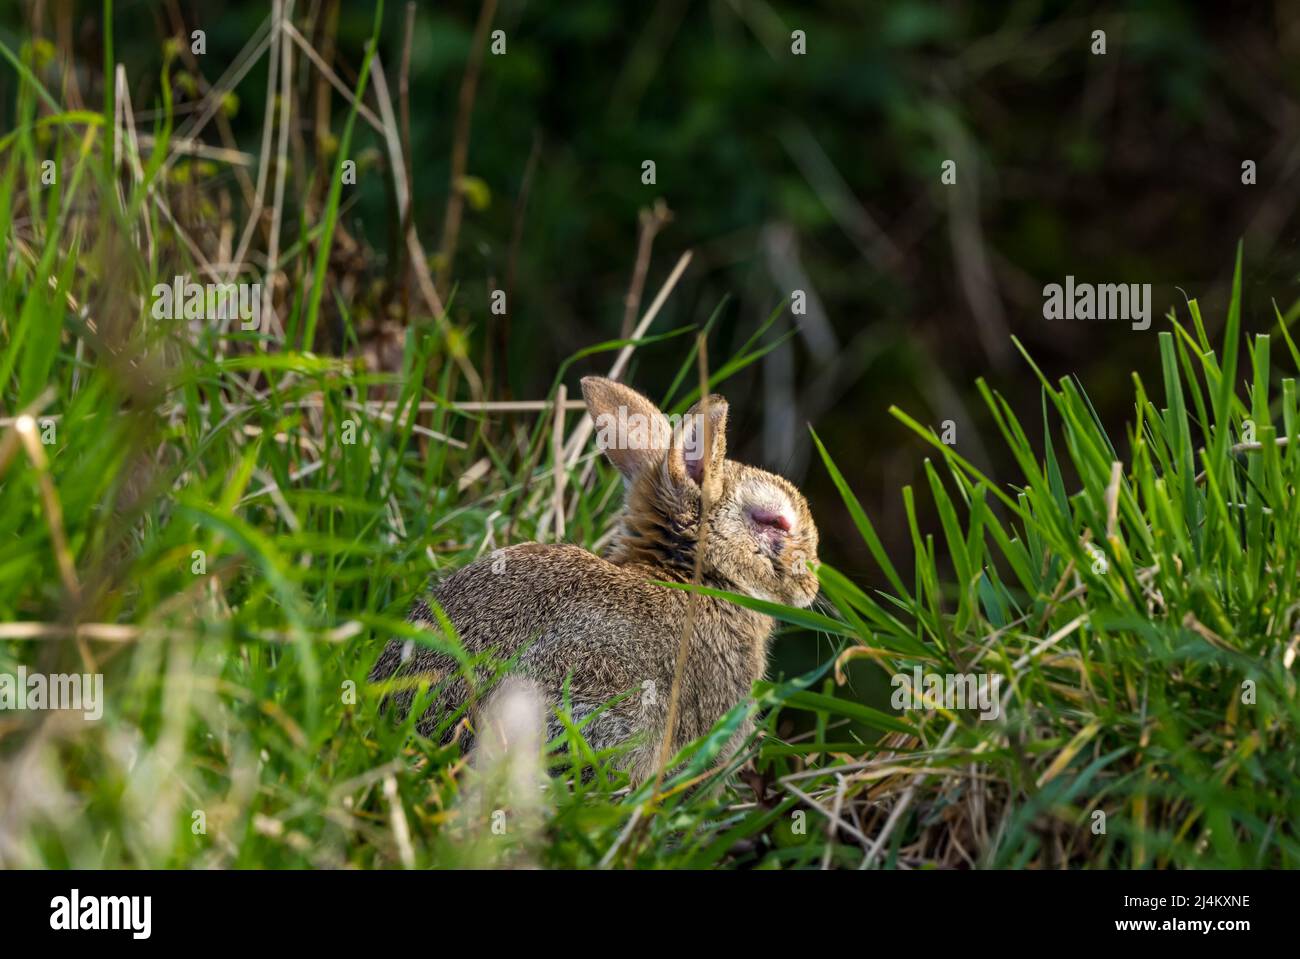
<point>771,518</point>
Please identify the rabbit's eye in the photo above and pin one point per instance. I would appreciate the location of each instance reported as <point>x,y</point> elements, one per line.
<point>772,519</point>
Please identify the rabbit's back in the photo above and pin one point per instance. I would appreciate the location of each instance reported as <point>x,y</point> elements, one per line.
<point>604,628</point>
<point>563,610</point>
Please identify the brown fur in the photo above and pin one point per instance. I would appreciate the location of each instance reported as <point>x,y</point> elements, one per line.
<point>603,624</point>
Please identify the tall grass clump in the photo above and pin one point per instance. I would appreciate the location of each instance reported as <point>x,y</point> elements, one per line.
<point>1141,619</point>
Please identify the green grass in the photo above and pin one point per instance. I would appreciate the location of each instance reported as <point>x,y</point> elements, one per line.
<point>258,525</point>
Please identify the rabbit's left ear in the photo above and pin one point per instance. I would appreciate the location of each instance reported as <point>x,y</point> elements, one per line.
<point>630,430</point>
<point>700,446</point>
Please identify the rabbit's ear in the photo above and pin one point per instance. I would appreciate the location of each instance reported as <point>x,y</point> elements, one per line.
<point>704,423</point>
<point>630,430</point>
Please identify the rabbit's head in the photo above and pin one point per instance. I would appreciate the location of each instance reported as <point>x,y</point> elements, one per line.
<point>759,539</point>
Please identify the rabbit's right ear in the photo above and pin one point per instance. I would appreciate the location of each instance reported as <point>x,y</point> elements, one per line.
<point>630,430</point>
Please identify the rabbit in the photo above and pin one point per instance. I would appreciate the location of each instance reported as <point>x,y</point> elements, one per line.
<point>601,622</point>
